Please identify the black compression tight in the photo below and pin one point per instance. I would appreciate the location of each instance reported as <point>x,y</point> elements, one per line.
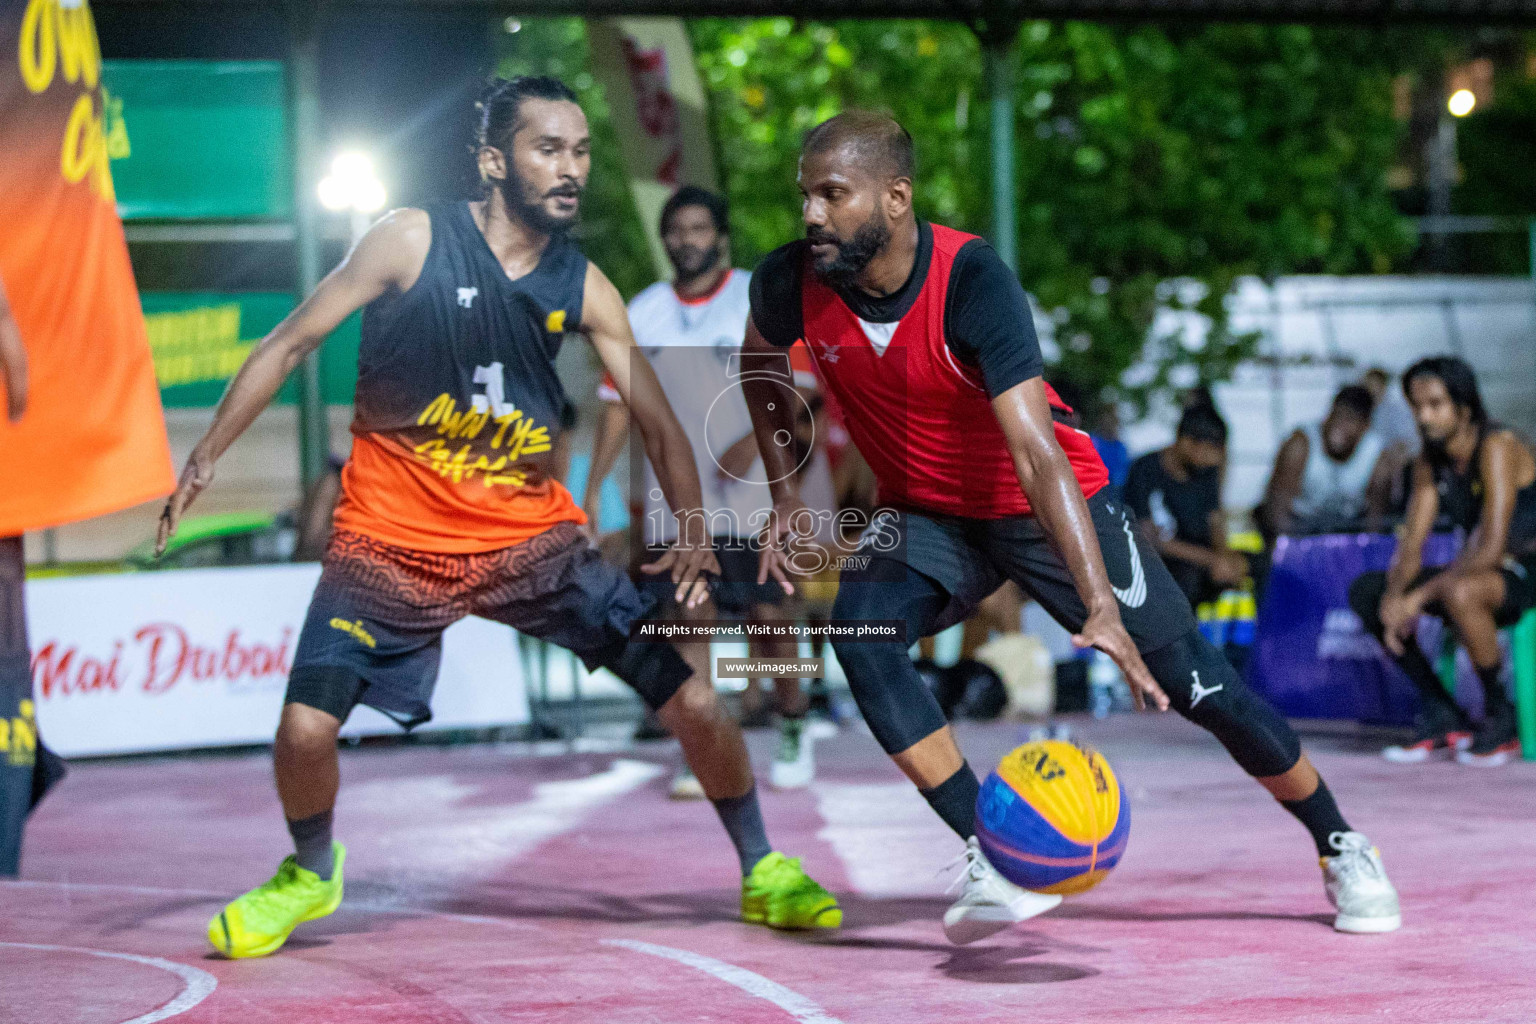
<point>1201,684</point>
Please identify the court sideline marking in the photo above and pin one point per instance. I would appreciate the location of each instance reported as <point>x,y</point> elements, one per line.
<point>788,1000</point>
<point>199,984</point>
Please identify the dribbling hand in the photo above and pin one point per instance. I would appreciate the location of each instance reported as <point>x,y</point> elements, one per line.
<point>1105,631</point>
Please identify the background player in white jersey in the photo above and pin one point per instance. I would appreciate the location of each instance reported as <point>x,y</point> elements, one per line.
<point>690,329</point>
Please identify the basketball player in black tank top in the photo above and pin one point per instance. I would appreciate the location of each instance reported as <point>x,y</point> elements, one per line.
<point>1482,477</point>
<point>451,476</point>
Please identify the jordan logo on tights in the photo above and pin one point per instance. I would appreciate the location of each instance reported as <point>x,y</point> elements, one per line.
<point>1198,692</point>
<point>1135,595</point>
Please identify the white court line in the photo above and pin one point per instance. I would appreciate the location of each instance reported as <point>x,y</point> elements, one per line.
<point>888,838</point>
<point>491,837</point>
<point>479,840</point>
<point>142,890</point>
<point>792,1002</point>
<point>788,1000</point>
<point>199,984</point>
<point>208,894</point>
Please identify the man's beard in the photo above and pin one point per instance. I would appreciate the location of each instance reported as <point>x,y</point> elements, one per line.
<point>853,255</point>
<point>531,211</point>
<point>691,261</point>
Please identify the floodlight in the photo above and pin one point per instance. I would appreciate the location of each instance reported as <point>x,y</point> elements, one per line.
<point>352,185</point>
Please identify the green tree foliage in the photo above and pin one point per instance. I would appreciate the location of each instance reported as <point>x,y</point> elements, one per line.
<point>1146,154</point>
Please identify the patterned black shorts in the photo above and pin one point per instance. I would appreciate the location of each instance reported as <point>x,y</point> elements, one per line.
<point>374,630</point>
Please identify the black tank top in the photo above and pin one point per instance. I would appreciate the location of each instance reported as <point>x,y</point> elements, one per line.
<point>1461,497</point>
<point>461,321</point>
<point>458,404</point>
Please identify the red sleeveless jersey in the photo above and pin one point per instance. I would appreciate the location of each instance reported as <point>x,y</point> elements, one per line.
<point>920,418</point>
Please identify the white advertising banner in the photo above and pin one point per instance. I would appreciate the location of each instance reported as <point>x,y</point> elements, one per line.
<point>200,657</point>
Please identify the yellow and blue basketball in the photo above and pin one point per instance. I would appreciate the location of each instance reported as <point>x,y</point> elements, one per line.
<point>1053,817</point>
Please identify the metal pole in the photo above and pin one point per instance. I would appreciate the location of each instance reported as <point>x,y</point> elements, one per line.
<point>1442,175</point>
<point>1530,234</point>
<point>997,50</point>
<point>304,21</point>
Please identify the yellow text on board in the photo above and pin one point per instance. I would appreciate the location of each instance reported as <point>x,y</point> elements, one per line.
<point>199,344</point>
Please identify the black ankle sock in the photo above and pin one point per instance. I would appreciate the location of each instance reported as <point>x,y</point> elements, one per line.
<point>1494,694</point>
<point>1320,815</point>
<point>1439,709</point>
<point>743,821</point>
<point>954,800</point>
<point>312,843</point>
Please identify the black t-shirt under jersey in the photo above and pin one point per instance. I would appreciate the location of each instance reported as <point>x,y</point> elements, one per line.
<point>987,319</point>
<point>1177,509</point>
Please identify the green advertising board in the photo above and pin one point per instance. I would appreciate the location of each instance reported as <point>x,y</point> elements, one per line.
<point>199,339</point>
<point>198,139</point>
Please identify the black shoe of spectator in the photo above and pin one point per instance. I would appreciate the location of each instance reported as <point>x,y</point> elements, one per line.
<point>1496,741</point>
<point>650,728</point>
<point>758,718</point>
<point>1428,740</point>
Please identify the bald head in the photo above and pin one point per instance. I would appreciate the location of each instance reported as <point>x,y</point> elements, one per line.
<point>856,179</point>
<point>878,145</point>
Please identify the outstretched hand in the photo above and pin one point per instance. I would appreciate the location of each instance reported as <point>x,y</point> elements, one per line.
<point>1104,631</point>
<point>773,562</point>
<point>197,475</point>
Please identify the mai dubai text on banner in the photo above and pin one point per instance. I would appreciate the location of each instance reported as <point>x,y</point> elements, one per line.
<point>194,658</point>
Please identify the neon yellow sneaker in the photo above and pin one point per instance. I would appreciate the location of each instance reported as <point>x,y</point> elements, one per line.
<point>777,893</point>
<point>258,923</point>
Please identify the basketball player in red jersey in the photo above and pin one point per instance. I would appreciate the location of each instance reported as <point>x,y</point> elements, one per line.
<point>448,507</point>
<point>926,340</point>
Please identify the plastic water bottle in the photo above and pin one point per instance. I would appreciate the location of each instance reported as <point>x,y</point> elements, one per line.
<point>1212,624</point>
<point>1122,703</point>
<point>1244,621</point>
<point>1102,676</point>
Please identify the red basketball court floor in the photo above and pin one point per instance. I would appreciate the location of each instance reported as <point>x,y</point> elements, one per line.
<point>484,885</point>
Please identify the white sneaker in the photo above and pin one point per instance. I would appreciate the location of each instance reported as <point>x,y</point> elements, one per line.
<point>793,766</point>
<point>819,728</point>
<point>685,786</point>
<point>1358,888</point>
<point>1426,745</point>
<point>989,902</point>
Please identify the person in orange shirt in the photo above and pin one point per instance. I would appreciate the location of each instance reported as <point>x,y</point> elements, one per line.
<point>81,430</point>
<point>26,777</point>
<point>449,506</point>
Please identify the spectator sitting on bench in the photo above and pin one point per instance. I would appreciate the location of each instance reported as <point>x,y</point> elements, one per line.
<point>1176,495</point>
<point>1484,477</point>
<point>1331,477</point>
